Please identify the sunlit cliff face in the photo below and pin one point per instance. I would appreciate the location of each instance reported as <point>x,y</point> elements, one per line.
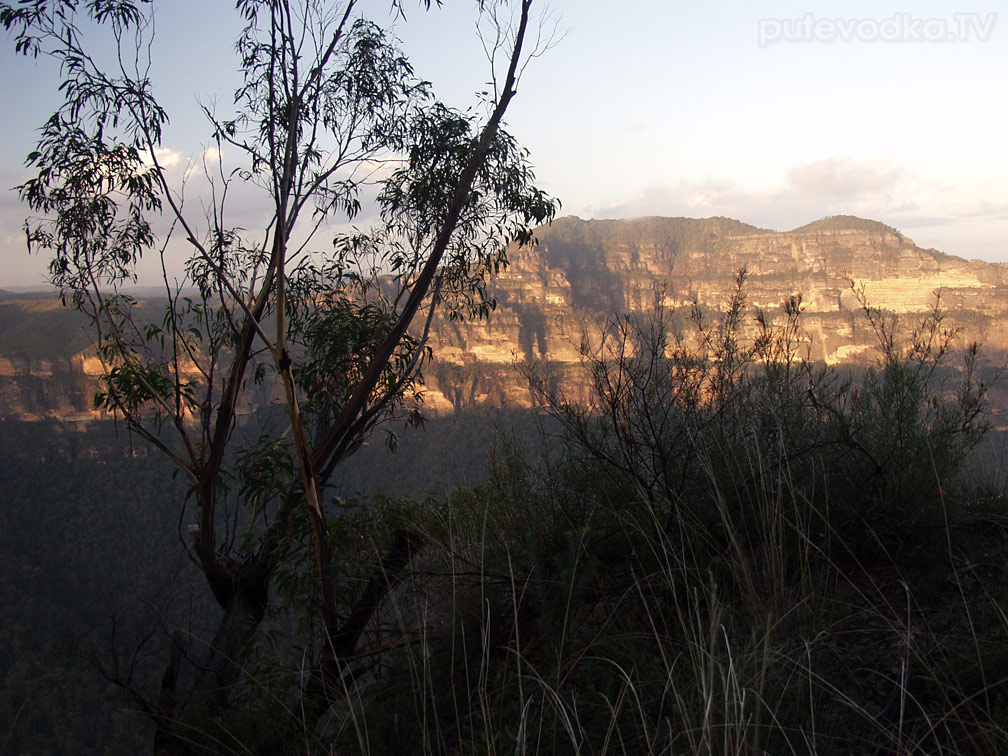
<point>554,298</point>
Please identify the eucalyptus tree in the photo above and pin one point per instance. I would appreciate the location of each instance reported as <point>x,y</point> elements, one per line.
<point>329,115</point>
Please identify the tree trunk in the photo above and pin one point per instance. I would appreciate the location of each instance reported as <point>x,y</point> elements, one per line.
<point>222,666</point>
<point>224,662</point>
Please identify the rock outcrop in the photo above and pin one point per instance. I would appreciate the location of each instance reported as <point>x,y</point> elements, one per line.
<point>558,292</point>
<point>580,271</point>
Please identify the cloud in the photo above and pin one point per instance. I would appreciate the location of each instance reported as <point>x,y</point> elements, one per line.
<point>984,209</point>
<point>635,127</point>
<point>698,199</point>
<point>373,170</point>
<point>808,191</point>
<point>959,219</point>
<point>167,158</point>
<point>248,208</point>
<point>836,178</point>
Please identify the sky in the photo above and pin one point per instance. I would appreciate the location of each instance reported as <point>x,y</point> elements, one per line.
<point>774,113</point>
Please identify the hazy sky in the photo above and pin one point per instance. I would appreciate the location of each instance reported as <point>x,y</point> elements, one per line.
<point>775,113</point>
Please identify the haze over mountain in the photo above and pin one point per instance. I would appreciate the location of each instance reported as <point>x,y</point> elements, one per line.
<point>579,273</point>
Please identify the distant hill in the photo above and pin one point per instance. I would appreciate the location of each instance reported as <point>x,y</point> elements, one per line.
<point>41,329</point>
<point>845,223</point>
<point>583,270</point>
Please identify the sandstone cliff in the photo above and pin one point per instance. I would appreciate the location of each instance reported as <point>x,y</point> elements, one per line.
<point>581,271</point>
<point>578,273</point>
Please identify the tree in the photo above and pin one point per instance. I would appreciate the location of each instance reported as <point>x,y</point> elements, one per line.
<point>329,113</point>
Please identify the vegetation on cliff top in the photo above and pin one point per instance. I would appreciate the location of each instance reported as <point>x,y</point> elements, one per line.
<point>847,223</point>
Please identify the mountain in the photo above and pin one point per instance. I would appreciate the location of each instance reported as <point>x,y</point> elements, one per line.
<point>581,271</point>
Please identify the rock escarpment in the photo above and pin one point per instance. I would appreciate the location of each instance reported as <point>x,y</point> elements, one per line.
<point>557,292</point>
<point>582,271</point>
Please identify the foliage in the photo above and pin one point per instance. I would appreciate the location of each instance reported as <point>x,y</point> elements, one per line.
<point>904,420</point>
<point>690,567</point>
<point>687,411</point>
<point>329,114</point>
<point>87,534</point>
<point>547,614</point>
